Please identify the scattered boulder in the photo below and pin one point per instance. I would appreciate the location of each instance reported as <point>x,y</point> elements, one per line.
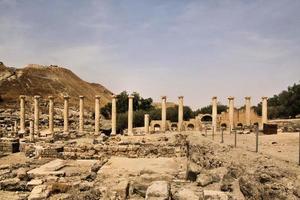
<point>214,195</point>
<point>185,194</point>
<point>39,192</point>
<point>206,179</point>
<point>158,190</point>
<point>192,171</point>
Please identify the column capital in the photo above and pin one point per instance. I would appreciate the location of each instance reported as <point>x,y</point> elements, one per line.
<point>130,97</point>
<point>248,98</point>
<point>147,115</point>
<point>66,97</point>
<point>81,97</point>
<point>50,97</point>
<point>180,97</point>
<point>213,98</point>
<point>264,98</point>
<point>37,96</point>
<point>114,96</point>
<point>163,97</point>
<point>22,96</point>
<point>97,97</point>
<point>230,98</point>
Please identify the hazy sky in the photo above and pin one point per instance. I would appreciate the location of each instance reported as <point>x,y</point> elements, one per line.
<point>198,49</point>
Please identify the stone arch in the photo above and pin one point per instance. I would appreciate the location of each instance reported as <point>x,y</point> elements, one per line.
<point>223,125</point>
<point>206,118</point>
<point>190,127</point>
<point>240,125</point>
<point>174,127</point>
<point>156,127</point>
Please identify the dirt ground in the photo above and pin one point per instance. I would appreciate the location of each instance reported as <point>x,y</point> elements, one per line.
<point>282,146</point>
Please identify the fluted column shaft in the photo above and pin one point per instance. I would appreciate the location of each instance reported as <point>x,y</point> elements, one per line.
<point>97,114</point>
<point>231,112</point>
<point>81,113</point>
<point>51,115</point>
<point>214,113</point>
<point>264,110</point>
<point>66,114</point>
<point>22,114</point>
<point>248,111</point>
<point>130,115</point>
<point>36,115</point>
<point>163,113</point>
<point>180,113</point>
<point>114,115</point>
<point>146,123</point>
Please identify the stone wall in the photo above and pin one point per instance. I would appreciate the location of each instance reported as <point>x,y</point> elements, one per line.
<point>127,150</point>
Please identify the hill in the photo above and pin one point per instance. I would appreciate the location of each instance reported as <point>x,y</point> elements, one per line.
<point>48,80</point>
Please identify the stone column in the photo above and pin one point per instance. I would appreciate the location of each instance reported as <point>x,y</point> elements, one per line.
<point>66,114</point>
<point>81,113</point>
<point>247,110</point>
<point>36,115</point>
<point>146,122</point>
<point>51,115</point>
<point>163,113</point>
<point>130,115</point>
<point>22,114</point>
<point>31,131</point>
<point>264,111</point>
<point>97,114</point>
<point>180,113</point>
<point>231,112</point>
<point>114,115</point>
<point>214,114</point>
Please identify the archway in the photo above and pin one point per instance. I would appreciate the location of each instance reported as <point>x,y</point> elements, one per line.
<point>190,127</point>
<point>224,125</point>
<point>156,127</point>
<point>174,127</point>
<point>206,118</point>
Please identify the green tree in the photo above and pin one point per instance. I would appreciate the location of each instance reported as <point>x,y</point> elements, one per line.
<point>208,109</point>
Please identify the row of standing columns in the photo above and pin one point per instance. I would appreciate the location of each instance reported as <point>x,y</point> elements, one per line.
<point>34,125</point>
<point>130,114</point>
<point>146,117</point>
<point>231,111</point>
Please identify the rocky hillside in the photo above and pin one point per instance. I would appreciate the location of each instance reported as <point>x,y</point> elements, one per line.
<point>47,80</point>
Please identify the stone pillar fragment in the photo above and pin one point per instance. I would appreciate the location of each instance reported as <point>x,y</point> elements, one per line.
<point>22,114</point>
<point>114,115</point>
<point>214,114</point>
<point>31,131</point>
<point>36,115</point>
<point>248,111</point>
<point>163,113</point>
<point>97,114</point>
<point>180,113</point>
<point>146,123</point>
<point>66,114</point>
<point>130,115</point>
<point>264,110</point>
<point>51,115</point>
<point>81,114</point>
<point>231,112</point>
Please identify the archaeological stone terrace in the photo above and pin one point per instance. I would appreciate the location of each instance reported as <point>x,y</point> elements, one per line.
<point>52,152</point>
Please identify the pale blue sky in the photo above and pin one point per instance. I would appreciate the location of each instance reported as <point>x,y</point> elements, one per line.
<point>194,48</point>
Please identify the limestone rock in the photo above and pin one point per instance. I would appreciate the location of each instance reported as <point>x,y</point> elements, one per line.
<point>158,190</point>
<point>204,180</point>
<point>39,192</point>
<point>185,194</point>
<point>214,195</point>
<point>192,171</point>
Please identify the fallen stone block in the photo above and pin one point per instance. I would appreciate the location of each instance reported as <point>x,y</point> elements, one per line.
<point>158,190</point>
<point>39,192</point>
<point>214,195</point>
